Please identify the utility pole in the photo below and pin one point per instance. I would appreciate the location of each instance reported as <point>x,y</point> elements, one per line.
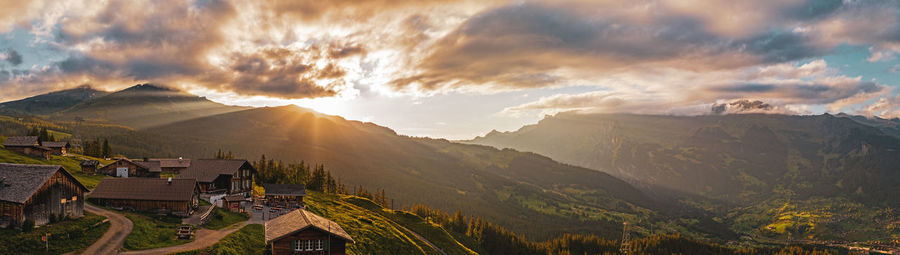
<point>625,248</point>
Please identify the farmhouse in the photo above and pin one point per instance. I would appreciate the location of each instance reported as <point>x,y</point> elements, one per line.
<point>89,166</point>
<point>56,148</point>
<point>176,196</point>
<point>38,192</point>
<point>302,232</point>
<point>125,168</point>
<point>28,145</point>
<point>287,195</point>
<point>172,165</point>
<point>229,176</point>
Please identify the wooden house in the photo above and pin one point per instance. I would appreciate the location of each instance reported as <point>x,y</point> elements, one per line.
<point>176,196</point>
<point>38,192</point>
<point>233,202</point>
<point>57,148</point>
<point>125,168</point>
<point>89,166</point>
<point>302,232</point>
<point>173,165</point>
<point>287,195</point>
<point>28,145</point>
<point>228,176</point>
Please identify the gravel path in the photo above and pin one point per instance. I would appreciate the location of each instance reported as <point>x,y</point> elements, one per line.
<point>111,241</point>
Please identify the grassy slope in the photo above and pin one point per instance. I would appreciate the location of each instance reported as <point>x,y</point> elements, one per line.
<point>373,231</point>
<point>224,218</point>
<point>70,163</point>
<point>151,231</point>
<point>66,236</point>
<point>248,240</point>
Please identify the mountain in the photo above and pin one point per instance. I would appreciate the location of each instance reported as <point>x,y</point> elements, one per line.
<point>525,192</point>
<point>737,165</point>
<point>51,102</point>
<point>143,106</point>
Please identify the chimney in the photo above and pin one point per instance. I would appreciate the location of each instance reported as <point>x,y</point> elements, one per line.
<point>170,181</point>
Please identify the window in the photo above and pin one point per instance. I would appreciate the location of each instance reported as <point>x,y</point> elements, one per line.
<point>298,245</point>
<point>309,245</point>
<point>320,245</point>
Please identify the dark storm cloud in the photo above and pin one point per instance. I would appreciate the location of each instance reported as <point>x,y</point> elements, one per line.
<point>13,57</point>
<point>799,92</point>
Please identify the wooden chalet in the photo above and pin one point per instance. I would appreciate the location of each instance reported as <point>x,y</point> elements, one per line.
<point>302,232</point>
<point>233,202</point>
<point>173,165</point>
<point>57,148</point>
<point>125,168</point>
<point>89,166</point>
<point>38,192</point>
<point>228,176</point>
<point>176,196</point>
<point>287,195</point>
<point>28,145</point>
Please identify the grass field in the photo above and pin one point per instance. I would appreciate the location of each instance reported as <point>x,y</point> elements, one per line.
<point>375,232</point>
<point>223,218</point>
<point>70,163</point>
<point>152,231</point>
<point>249,240</point>
<point>66,236</point>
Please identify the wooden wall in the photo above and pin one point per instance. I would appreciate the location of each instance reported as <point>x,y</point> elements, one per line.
<point>178,207</point>
<point>283,245</point>
<point>133,169</point>
<point>47,201</point>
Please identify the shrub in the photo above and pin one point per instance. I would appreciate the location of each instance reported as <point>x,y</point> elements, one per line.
<point>28,226</point>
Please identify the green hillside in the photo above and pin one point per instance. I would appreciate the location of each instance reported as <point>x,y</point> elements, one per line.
<point>835,172</point>
<point>70,163</point>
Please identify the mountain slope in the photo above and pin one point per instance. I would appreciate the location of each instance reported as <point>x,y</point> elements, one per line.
<point>51,102</point>
<point>526,192</point>
<point>756,170</point>
<point>143,106</point>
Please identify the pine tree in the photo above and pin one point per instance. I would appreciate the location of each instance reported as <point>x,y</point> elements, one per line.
<point>106,151</point>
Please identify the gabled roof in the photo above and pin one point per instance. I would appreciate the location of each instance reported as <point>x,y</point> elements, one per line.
<point>150,166</point>
<point>273,189</point>
<point>20,181</point>
<point>145,189</point>
<point>299,220</point>
<point>207,170</point>
<point>55,144</point>
<point>21,141</point>
<point>173,162</point>
<point>89,162</point>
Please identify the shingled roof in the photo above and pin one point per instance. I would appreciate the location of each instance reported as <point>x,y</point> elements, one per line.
<point>20,181</point>
<point>145,189</point>
<point>172,162</point>
<point>151,166</point>
<point>299,220</point>
<point>55,144</point>
<point>21,141</point>
<point>273,189</point>
<point>207,170</point>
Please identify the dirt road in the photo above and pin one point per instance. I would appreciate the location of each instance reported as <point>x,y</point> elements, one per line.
<point>202,238</point>
<point>111,241</point>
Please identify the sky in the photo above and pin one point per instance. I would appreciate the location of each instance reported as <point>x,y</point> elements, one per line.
<point>459,69</point>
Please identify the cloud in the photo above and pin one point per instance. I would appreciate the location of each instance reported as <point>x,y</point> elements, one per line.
<point>885,107</point>
<point>779,88</point>
<point>12,56</point>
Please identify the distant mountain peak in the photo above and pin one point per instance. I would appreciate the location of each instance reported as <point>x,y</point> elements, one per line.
<point>150,87</point>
